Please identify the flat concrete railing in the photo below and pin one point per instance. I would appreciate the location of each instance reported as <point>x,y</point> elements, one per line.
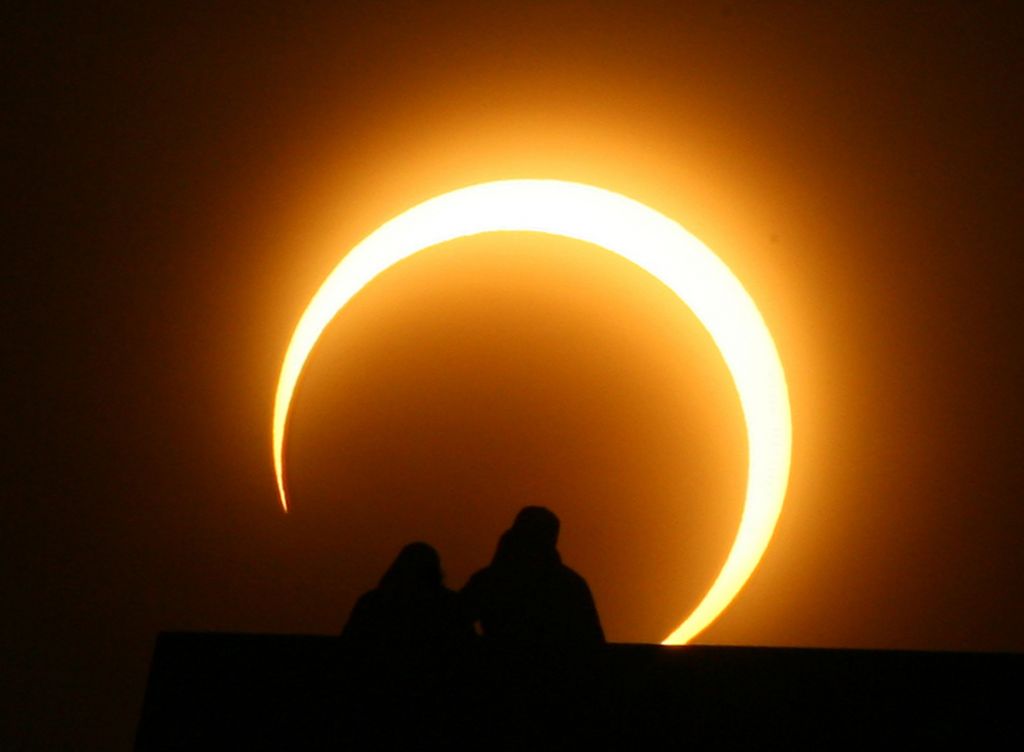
<point>308,692</point>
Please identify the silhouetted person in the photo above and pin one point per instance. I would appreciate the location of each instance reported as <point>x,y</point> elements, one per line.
<point>527,595</point>
<point>410,609</point>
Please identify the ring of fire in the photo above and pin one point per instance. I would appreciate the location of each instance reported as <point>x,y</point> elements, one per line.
<point>639,234</point>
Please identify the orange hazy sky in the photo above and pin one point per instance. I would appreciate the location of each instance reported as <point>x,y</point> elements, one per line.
<point>184,180</point>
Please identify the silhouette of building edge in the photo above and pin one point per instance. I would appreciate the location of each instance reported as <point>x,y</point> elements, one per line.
<point>311,692</point>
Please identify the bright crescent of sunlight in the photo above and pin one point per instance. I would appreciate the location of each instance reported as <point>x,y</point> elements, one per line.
<point>648,239</point>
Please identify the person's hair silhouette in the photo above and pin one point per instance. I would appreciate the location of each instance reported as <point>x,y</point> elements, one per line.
<point>527,595</point>
<point>410,607</point>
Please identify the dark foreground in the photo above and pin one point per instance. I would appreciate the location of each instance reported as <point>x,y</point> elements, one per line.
<point>302,692</point>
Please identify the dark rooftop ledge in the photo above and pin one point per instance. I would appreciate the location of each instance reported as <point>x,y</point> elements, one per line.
<point>238,691</point>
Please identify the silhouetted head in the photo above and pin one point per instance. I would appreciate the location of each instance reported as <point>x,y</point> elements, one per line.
<point>417,568</point>
<point>531,541</point>
<point>536,526</point>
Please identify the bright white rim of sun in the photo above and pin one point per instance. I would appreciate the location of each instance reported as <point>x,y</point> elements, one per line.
<point>639,234</point>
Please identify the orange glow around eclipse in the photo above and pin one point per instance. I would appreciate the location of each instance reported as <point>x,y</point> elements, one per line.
<point>641,235</point>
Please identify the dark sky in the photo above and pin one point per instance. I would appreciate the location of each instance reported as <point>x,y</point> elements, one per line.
<point>180,182</point>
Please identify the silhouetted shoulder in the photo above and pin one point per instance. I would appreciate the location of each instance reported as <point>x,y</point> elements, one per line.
<point>586,623</point>
<point>471,590</point>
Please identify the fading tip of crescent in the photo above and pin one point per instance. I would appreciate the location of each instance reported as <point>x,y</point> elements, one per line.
<point>280,416</point>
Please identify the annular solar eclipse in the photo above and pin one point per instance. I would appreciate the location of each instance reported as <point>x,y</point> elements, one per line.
<point>641,235</point>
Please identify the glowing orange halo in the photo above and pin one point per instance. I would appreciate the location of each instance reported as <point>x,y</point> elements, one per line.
<point>641,235</point>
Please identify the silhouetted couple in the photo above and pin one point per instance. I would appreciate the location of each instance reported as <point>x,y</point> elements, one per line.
<point>527,596</point>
